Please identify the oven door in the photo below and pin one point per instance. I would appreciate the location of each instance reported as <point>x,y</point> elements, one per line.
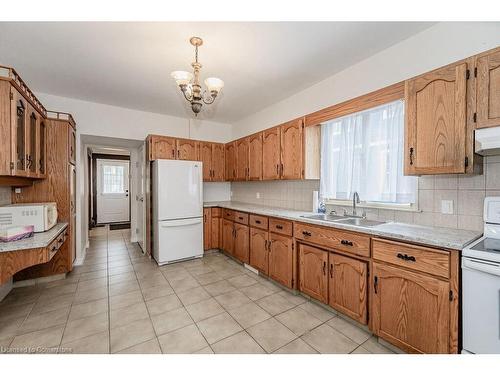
<point>481,306</point>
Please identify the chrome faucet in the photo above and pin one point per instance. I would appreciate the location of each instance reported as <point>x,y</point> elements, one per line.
<point>355,199</point>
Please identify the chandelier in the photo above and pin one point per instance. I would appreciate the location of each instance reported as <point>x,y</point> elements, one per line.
<point>189,83</point>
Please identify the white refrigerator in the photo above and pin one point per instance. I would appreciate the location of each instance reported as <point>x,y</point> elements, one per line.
<point>177,210</point>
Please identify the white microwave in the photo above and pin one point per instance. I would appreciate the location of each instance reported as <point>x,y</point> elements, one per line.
<point>42,216</point>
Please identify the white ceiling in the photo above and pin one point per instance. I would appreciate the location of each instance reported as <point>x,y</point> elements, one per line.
<point>129,64</point>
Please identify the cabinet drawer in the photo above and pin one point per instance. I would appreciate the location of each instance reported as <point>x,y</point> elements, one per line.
<point>228,214</point>
<point>349,242</point>
<point>257,221</point>
<point>241,217</point>
<point>281,226</point>
<point>435,262</point>
<point>56,244</point>
<point>216,212</point>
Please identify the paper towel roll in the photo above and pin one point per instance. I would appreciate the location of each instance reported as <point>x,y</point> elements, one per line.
<point>315,200</point>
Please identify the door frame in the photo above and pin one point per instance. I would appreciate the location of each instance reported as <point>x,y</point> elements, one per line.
<point>94,180</point>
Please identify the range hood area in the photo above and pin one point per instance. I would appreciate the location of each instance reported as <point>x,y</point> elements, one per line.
<point>487,141</point>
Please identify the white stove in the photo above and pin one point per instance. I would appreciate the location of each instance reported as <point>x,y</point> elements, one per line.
<point>481,286</point>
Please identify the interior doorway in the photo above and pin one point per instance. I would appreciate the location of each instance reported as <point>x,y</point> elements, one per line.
<point>112,195</point>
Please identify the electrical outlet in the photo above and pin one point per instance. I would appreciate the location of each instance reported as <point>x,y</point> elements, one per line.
<point>257,195</point>
<point>17,190</point>
<point>447,207</point>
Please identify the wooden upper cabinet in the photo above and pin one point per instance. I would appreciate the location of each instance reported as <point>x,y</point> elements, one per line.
<point>291,150</point>
<point>19,118</point>
<point>162,147</point>
<point>488,90</point>
<point>42,149</point>
<point>205,156</point>
<point>436,121</point>
<point>255,157</point>
<point>410,310</point>
<point>347,286</point>
<point>313,279</point>
<point>230,159</point>
<point>187,149</point>
<point>242,159</point>
<point>281,259</point>
<point>217,162</point>
<point>271,155</point>
<point>32,124</point>
<point>72,145</point>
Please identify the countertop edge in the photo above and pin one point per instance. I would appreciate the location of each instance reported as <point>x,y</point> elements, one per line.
<point>39,240</point>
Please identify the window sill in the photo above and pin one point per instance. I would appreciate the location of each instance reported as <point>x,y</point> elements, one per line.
<point>383,206</point>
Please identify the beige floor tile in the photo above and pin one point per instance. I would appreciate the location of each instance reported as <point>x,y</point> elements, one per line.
<point>149,347</point>
<point>319,312</point>
<point>126,336</point>
<point>360,350</point>
<point>93,275</point>
<point>163,304</point>
<point>95,344</point>
<point>193,296</point>
<point>241,281</point>
<point>5,342</point>
<point>84,327</point>
<point>208,278</point>
<point>218,327</point>
<point>63,289</point>
<point>184,284</point>
<point>149,282</point>
<point>128,314</point>
<point>297,346</point>
<point>156,292</point>
<point>230,272</point>
<point>175,274</point>
<point>298,321</point>
<point>90,295</point>
<point>171,320</point>
<point>325,339</point>
<point>123,300</point>
<point>184,340</point>
<point>9,327</point>
<point>232,299</point>
<point>124,287</point>
<point>122,277</point>
<point>8,312</point>
<point>83,310</point>
<point>271,334</point>
<point>240,343</point>
<point>204,309</point>
<point>257,291</point>
<point>46,338</point>
<point>53,303</point>
<point>350,330</point>
<point>249,314</point>
<point>93,284</point>
<point>119,270</point>
<point>372,345</point>
<point>219,287</point>
<point>295,299</point>
<point>275,304</point>
<point>37,322</point>
<point>270,284</point>
<point>205,350</point>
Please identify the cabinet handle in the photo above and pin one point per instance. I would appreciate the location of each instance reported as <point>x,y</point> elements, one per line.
<point>279,226</point>
<point>375,284</point>
<point>331,270</point>
<point>277,169</point>
<point>411,155</point>
<point>269,245</point>
<point>281,169</point>
<point>306,234</point>
<point>265,244</point>
<point>257,221</point>
<point>173,153</point>
<point>406,257</point>
<point>324,268</point>
<point>346,242</point>
<point>178,154</point>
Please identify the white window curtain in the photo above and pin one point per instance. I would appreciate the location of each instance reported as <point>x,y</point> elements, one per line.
<point>363,152</point>
<point>113,179</point>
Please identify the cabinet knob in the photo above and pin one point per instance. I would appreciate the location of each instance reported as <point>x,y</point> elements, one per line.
<point>407,258</point>
<point>346,242</point>
<point>306,233</point>
<point>257,222</point>
<point>279,226</point>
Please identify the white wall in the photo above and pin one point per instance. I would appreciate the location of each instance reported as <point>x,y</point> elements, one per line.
<point>110,121</point>
<point>439,45</point>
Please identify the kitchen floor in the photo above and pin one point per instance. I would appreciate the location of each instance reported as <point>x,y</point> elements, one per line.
<point>119,301</point>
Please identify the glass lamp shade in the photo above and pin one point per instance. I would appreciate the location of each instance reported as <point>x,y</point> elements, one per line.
<point>181,77</point>
<point>214,84</point>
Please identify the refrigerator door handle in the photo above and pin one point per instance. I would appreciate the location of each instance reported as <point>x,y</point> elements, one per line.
<point>181,222</point>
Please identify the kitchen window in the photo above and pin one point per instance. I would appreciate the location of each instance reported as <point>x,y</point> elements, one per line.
<point>363,152</point>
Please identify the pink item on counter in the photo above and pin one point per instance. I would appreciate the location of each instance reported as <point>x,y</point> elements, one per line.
<point>16,233</point>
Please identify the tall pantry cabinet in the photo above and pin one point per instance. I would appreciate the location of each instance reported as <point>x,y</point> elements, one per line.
<point>59,186</point>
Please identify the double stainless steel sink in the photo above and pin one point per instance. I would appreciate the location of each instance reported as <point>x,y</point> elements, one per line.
<point>356,221</point>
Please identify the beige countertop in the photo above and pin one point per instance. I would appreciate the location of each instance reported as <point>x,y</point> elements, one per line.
<point>42,239</point>
<point>439,237</point>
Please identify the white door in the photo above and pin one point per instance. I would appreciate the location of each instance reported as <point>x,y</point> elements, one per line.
<point>141,206</point>
<point>113,203</point>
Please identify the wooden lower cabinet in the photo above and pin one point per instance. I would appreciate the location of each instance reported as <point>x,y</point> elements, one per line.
<point>241,242</point>
<point>281,259</point>
<point>259,250</point>
<point>347,286</point>
<point>215,232</point>
<point>227,236</point>
<point>410,310</point>
<point>313,279</point>
<point>207,229</point>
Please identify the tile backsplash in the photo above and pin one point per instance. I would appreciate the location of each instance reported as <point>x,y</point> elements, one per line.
<point>5,195</point>
<point>466,194</point>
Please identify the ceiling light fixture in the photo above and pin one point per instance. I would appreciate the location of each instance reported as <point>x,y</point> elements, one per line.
<point>189,83</point>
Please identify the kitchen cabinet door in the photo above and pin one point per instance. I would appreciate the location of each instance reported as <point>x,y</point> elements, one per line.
<point>281,259</point>
<point>242,159</point>
<point>313,279</point>
<point>32,124</point>
<point>217,162</point>
<point>162,147</point>
<point>19,118</point>
<point>205,155</point>
<point>410,310</point>
<point>255,157</point>
<point>72,145</point>
<point>259,250</point>
<point>42,149</point>
<point>187,149</point>
<point>271,154</point>
<point>347,286</point>
<point>291,150</point>
<point>207,229</point>
<point>227,236</point>
<point>488,90</point>
<point>215,234</point>
<point>241,242</point>
<point>230,158</point>
<point>435,119</point>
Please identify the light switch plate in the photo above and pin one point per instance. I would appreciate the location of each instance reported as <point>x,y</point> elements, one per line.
<point>447,207</point>
<point>257,195</point>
